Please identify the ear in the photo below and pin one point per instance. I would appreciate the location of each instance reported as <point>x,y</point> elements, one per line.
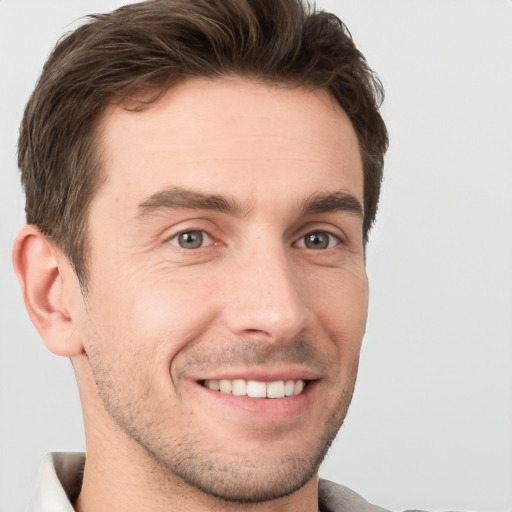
<point>45,275</point>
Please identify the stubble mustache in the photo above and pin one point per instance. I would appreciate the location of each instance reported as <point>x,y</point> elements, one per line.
<point>251,353</point>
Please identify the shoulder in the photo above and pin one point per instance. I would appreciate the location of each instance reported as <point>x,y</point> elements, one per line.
<point>333,497</point>
<point>337,498</point>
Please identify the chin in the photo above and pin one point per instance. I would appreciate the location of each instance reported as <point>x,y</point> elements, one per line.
<point>253,476</point>
<point>244,482</point>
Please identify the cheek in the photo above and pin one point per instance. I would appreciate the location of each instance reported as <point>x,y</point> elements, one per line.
<point>161,312</point>
<point>340,303</point>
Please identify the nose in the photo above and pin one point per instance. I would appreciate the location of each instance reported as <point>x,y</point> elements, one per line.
<point>265,297</point>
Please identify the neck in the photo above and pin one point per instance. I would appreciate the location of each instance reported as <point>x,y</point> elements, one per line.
<point>119,483</point>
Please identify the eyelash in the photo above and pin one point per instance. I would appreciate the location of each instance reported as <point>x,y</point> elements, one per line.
<point>333,240</point>
<point>174,240</point>
<point>203,237</point>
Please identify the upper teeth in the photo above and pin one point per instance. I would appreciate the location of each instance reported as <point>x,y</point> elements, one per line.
<point>257,389</point>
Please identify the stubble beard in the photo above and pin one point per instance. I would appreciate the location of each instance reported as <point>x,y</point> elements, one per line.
<point>239,480</point>
<point>227,477</point>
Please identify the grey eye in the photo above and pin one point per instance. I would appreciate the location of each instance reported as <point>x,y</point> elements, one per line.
<point>191,239</point>
<point>318,240</point>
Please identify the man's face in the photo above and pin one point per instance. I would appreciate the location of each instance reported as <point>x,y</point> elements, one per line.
<point>227,252</point>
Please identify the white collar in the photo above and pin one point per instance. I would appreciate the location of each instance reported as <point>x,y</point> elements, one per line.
<point>59,477</point>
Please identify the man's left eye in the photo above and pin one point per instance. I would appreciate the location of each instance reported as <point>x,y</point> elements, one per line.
<point>191,239</point>
<point>318,240</point>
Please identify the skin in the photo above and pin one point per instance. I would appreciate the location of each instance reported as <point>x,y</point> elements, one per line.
<point>253,301</point>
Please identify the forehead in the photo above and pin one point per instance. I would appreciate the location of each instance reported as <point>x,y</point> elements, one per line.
<point>231,136</point>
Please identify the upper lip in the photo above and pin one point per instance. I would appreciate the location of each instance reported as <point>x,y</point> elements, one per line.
<point>260,374</point>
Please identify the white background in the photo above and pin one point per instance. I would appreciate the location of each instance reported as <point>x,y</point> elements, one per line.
<point>431,422</point>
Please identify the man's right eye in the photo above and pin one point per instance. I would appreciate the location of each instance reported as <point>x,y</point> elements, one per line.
<point>191,239</point>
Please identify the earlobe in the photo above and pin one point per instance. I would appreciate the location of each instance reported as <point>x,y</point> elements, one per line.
<point>43,279</point>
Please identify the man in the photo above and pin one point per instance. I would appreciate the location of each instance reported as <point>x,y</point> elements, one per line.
<point>201,178</point>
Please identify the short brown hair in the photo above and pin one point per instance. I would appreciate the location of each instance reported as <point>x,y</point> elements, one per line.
<point>150,46</point>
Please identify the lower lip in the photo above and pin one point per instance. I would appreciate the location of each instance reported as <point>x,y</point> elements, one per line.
<point>264,409</point>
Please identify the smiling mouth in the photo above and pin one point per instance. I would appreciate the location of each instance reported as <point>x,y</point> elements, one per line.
<point>257,389</point>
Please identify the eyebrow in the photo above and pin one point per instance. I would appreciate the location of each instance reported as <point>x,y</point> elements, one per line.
<point>333,201</point>
<point>177,197</point>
